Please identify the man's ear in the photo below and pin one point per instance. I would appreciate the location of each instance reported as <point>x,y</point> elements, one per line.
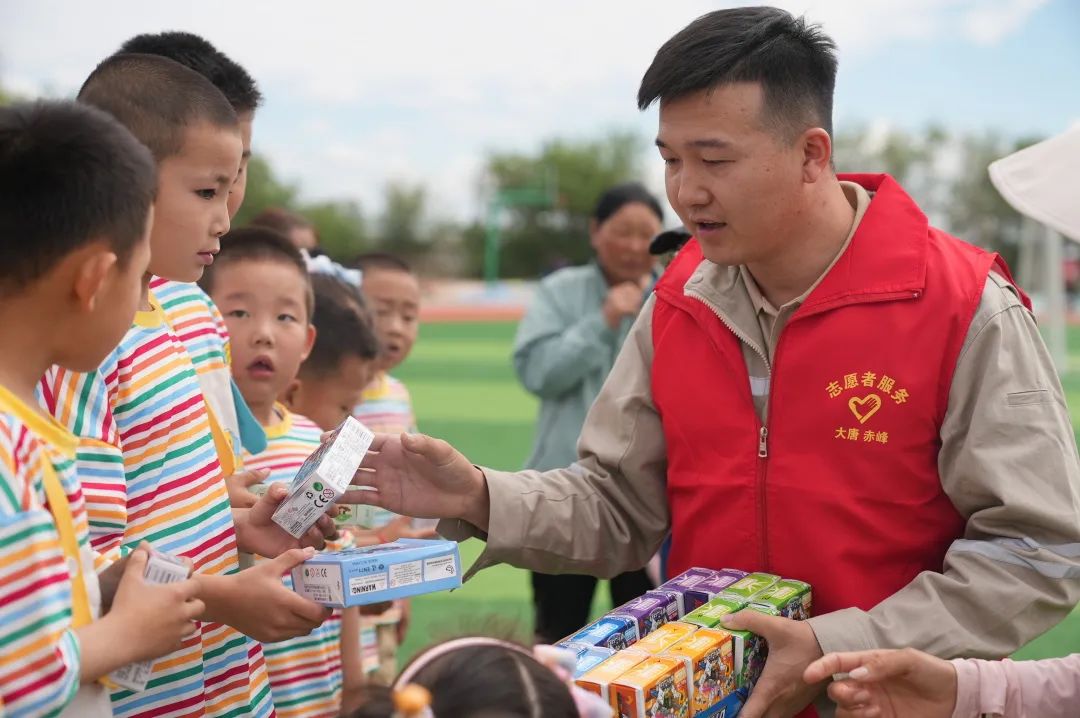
<point>817,153</point>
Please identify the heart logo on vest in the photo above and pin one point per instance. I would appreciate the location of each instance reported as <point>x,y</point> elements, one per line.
<point>865,407</point>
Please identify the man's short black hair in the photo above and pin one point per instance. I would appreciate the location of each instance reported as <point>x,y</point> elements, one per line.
<point>381,260</point>
<point>195,52</point>
<point>258,244</point>
<point>794,62</point>
<point>69,175</point>
<point>156,99</point>
<point>341,328</point>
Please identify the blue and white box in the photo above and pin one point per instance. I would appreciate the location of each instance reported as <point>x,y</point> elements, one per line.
<point>373,574</point>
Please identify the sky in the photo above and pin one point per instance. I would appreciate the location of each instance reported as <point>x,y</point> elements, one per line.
<point>362,93</point>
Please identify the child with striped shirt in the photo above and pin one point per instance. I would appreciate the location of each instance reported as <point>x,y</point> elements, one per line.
<point>75,195</point>
<point>197,322</point>
<point>276,321</point>
<point>393,293</point>
<point>146,443</point>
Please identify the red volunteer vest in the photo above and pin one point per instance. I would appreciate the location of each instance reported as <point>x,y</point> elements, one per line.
<point>845,493</point>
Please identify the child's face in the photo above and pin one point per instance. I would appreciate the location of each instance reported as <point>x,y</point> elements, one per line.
<point>395,301</point>
<point>327,400</point>
<point>109,317</point>
<point>191,212</point>
<point>264,303</point>
<point>239,186</point>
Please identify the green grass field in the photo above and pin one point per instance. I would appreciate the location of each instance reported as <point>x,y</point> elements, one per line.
<point>464,391</point>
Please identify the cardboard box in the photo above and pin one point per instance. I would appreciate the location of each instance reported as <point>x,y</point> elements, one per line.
<point>709,615</point>
<point>649,611</point>
<point>751,585</point>
<point>679,586</point>
<point>664,637</point>
<point>590,658</point>
<point>727,708</point>
<point>160,568</point>
<point>658,686</point>
<point>360,515</point>
<point>373,574</point>
<point>324,477</point>
<point>710,663</point>
<point>714,585</point>
<point>614,632</point>
<point>599,679</point>
<point>750,652</point>
<point>794,599</point>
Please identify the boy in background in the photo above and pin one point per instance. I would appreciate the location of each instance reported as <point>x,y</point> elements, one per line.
<point>261,284</point>
<point>392,293</point>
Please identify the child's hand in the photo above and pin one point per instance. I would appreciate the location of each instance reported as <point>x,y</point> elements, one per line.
<point>238,483</point>
<point>888,684</point>
<point>257,533</point>
<point>152,619</point>
<point>257,603</point>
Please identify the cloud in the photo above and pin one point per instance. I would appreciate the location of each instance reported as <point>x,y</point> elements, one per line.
<point>359,93</point>
<point>989,23</point>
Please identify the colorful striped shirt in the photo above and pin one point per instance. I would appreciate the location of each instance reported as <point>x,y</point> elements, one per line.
<point>199,326</point>
<point>152,473</point>
<point>40,660</point>
<point>305,672</point>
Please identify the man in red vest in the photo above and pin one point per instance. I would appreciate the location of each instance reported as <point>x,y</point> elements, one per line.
<point>822,386</point>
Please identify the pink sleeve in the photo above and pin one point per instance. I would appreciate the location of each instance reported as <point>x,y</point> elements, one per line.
<point>1018,689</point>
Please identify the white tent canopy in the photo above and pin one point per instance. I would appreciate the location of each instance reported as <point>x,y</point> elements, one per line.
<point>1039,182</point>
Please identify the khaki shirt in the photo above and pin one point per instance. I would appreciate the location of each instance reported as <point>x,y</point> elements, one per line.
<point>758,348</point>
<point>1008,462</point>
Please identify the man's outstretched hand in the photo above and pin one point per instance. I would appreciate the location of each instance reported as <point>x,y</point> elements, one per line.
<point>419,476</point>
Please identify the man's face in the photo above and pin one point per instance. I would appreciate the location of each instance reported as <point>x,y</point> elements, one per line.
<point>735,183</point>
<point>191,212</point>
<point>239,187</point>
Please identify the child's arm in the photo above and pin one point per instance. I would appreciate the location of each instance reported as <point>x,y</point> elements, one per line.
<point>352,661</point>
<point>147,620</point>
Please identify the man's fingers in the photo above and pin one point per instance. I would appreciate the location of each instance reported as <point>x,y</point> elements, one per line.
<point>768,627</point>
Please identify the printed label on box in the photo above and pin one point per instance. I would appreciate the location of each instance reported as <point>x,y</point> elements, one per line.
<point>367,584</point>
<point>441,567</point>
<point>406,574</point>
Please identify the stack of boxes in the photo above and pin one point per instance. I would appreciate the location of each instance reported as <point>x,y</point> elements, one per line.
<point>667,653</point>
